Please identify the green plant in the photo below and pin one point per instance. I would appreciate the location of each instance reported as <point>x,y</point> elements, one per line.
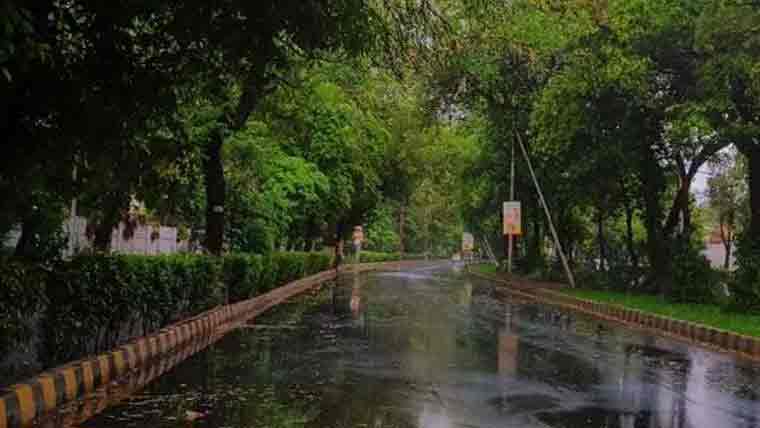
<point>745,286</point>
<point>375,257</point>
<point>243,275</point>
<point>694,280</point>
<point>22,295</point>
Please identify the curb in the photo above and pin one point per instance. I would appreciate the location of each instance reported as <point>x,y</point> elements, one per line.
<point>25,402</point>
<point>700,334</point>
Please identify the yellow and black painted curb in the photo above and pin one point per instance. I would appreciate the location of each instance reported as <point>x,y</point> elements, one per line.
<point>22,403</point>
<point>700,334</point>
<point>29,401</point>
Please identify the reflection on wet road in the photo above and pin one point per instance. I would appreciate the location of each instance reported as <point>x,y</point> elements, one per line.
<point>432,348</point>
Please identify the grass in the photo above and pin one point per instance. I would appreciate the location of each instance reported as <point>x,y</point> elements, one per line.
<point>711,315</point>
<point>489,268</point>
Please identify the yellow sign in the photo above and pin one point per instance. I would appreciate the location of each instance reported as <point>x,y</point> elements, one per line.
<point>512,215</point>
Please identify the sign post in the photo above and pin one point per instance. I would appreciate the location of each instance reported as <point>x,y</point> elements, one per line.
<point>512,217</point>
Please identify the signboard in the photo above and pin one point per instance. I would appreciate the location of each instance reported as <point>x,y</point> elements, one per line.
<point>468,242</point>
<point>512,216</point>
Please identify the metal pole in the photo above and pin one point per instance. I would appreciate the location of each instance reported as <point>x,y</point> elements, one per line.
<point>562,257</point>
<point>511,198</point>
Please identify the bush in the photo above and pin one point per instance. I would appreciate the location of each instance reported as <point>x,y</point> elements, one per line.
<point>98,301</point>
<point>694,280</point>
<point>281,268</point>
<point>22,293</point>
<point>243,275</point>
<point>373,257</point>
<point>745,286</point>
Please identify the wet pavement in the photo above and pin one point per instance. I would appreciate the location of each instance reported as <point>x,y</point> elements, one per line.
<point>433,348</point>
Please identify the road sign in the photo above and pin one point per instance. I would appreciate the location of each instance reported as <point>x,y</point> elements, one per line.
<point>512,214</point>
<point>468,242</point>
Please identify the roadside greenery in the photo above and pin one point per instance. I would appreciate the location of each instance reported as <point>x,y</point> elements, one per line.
<point>282,125</point>
<point>621,105</point>
<point>708,314</point>
<point>91,303</point>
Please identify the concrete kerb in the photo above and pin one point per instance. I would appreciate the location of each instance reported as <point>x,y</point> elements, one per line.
<point>706,336</point>
<point>24,403</point>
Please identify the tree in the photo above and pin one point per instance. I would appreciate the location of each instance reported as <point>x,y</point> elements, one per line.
<point>727,192</point>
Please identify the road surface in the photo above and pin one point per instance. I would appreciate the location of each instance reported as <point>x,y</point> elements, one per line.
<point>431,347</point>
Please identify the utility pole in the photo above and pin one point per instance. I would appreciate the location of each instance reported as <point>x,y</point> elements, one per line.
<point>558,245</point>
<point>511,198</point>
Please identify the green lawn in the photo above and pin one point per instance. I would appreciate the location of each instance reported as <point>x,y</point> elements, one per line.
<point>485,268</point>
<point>711,315</point>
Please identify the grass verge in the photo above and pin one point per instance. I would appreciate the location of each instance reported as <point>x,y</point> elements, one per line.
<point>489,268</point>
<point>711,315</point>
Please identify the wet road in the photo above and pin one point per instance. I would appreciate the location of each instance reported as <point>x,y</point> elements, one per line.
<point>432,348</point>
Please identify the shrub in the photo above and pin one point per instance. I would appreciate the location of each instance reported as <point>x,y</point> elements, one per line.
<point>97,301</point>
<point>243,275</point>
<point>745,286</point>
<point>694,280</point>
<point>374,257</point>
<point>22,293</point>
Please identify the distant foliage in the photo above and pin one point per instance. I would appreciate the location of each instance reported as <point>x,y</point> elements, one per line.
<point>373,257</point>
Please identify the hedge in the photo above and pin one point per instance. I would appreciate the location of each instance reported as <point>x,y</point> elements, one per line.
<point>91,303</point>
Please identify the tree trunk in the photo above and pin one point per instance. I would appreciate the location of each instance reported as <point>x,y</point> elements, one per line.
<point>103,235</point>
<point>686,212</point>
<point>753,163</point>
<point>727,261</point>
<point>601,241</point>
<point>401,224</point>
<point>630,241</point>
<point>658,254</point>
<point>104,229</point>
<point>680,207</point>
<point>25,245</point>
<point>339,231</point>
<point>538,242</point>
<point>213,170</point>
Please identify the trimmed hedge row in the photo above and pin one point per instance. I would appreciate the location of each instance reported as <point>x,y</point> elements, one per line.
<point>250,274</point>
<point>91,303</point>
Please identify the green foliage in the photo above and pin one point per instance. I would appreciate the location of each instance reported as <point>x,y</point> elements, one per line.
<point>97,296</point>
<point>22,295</point>
<point>375,257</point>
<point>708,314</point>
<point>745,287</point>
<point>88,303</point>
<point>381,234</point>
<point>694,280</point>
<point>242,274</point>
